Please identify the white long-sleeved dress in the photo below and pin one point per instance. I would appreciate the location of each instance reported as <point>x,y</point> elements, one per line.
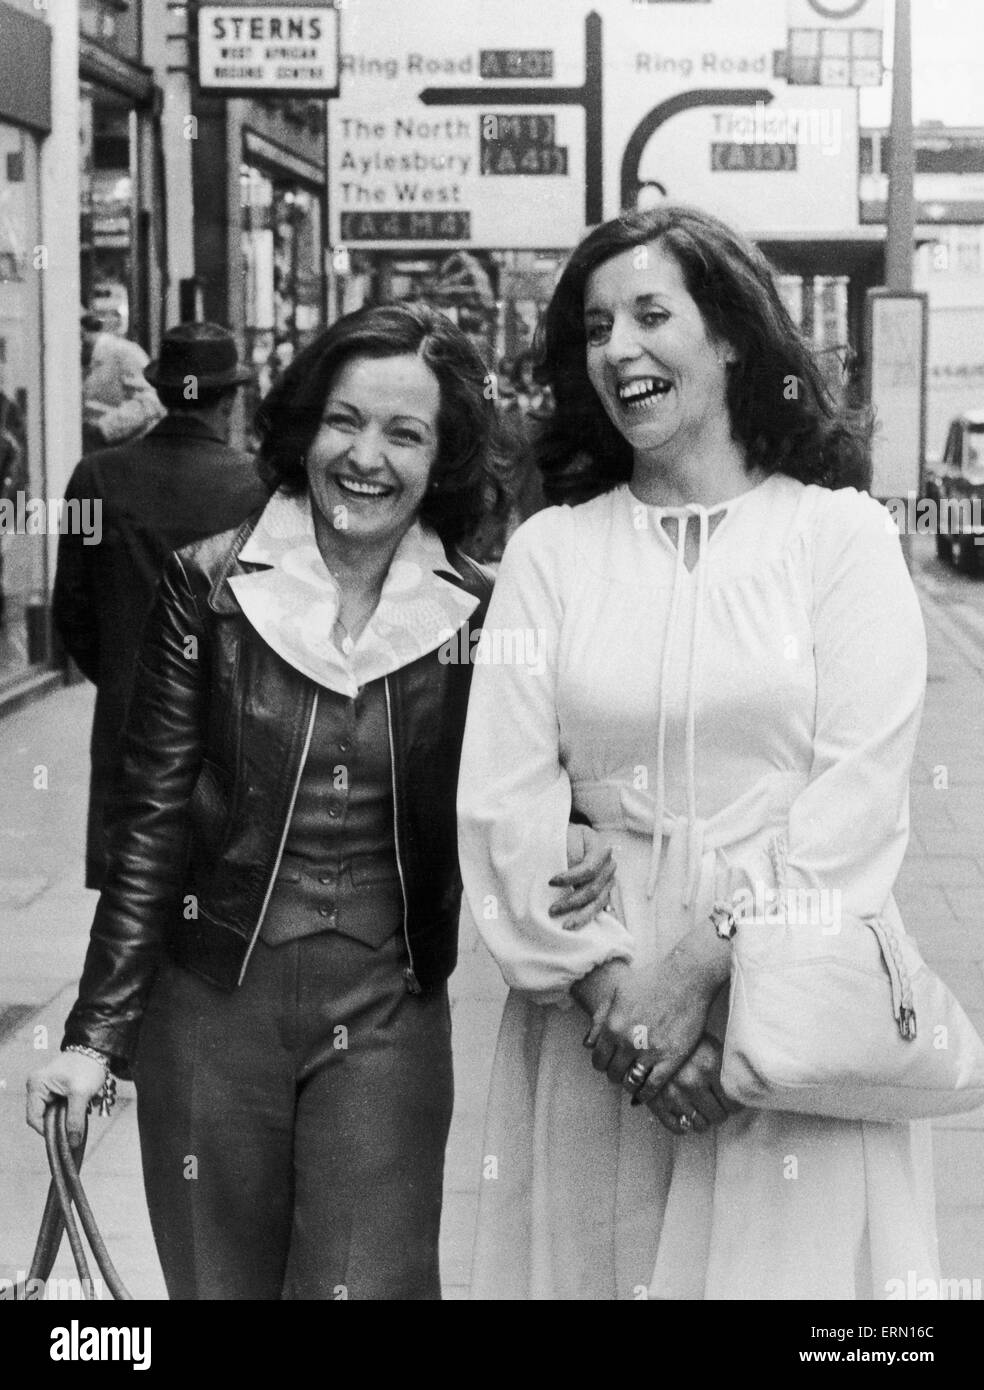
<point>753,715</point>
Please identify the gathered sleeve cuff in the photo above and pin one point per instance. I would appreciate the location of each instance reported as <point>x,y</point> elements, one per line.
<point>514,796</point>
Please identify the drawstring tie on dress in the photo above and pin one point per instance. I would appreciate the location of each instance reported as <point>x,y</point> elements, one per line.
<point>694,828</point>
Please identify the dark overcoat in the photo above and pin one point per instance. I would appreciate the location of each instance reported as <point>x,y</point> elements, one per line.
<point>178,484</point>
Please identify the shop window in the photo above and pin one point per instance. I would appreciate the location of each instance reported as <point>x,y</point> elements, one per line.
<point>282,273</point>
<point>112,22</point>
<point>830,312</point>
<point>107,207</point>
<point>23,526</point>
<point>818,307</point>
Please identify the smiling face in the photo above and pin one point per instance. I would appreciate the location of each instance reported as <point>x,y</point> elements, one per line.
<point>659,375</point>
<point>369,464</point>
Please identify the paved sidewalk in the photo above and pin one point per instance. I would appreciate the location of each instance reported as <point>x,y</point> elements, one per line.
<point>44,925</point>
<point>45,914</point>
<point>941,895</point>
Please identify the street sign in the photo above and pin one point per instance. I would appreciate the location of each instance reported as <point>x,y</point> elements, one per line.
<point>835,43</point>
<point>516,125</point>
<point>249,48</point>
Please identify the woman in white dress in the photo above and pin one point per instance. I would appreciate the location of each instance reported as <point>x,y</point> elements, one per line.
<point>733,675</point>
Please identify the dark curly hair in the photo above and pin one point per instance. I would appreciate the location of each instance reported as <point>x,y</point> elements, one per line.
<point>800,431</point>
<point>463,481</point>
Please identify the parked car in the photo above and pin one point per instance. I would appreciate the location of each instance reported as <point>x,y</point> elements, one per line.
<point>956,487</point>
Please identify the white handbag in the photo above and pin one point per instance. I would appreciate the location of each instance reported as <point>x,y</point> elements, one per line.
<point>850,1023</point>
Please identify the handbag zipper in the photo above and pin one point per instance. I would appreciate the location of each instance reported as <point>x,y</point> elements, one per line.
<point>409,974</point>
<point>283,837</point>
<point>903,1006</point>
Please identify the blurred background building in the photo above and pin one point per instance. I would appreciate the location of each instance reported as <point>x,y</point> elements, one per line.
<point>949,261</point>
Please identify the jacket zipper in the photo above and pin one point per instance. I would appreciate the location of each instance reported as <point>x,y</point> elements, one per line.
<point>409,974</point>
<point>283,837</point>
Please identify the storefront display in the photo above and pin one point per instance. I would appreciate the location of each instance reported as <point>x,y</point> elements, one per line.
<point>818,305</point>
<point>282,272</point>
<point>22,549</point>
<point>106,212</point>
<point>123,192</point>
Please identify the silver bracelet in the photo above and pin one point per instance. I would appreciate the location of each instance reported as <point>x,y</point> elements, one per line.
<point>106,1095</point>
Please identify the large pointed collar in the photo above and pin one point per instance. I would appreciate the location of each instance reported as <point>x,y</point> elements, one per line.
<point>294,602</point>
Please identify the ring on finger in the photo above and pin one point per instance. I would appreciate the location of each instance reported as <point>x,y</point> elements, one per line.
<point>636,1075</point>
<point>686,1123</point>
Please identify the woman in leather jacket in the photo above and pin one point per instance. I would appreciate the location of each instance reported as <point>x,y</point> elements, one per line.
<point>269,954</point>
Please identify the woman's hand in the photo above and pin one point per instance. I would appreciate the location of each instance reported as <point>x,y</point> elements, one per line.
<point>587,880</point>
<point>70,1074</point>
<point>596,991</point>
<point>658,1013</point>
<point>695,1092</point>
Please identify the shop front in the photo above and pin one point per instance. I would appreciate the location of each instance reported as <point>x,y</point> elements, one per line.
<point>258,170</point>
<point>121,210</point>
<point>282,261</point>
<point>24,120</point>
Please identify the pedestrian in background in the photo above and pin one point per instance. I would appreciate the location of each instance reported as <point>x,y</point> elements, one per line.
<point>280,911</point>
<point>535,408</point>
<point>118,401</point>
<point>533,397</point>
<point>177,484</point>
<point>523,409</point>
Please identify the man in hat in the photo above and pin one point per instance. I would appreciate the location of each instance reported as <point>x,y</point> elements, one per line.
<point>176,484</point>
<point>118,402</point>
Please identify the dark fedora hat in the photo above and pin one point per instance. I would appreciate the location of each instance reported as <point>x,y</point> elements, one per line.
<point>205,351</point>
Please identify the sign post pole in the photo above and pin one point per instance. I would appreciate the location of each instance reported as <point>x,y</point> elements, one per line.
<point>899,236</point>
<point>588,97</point>
<point>895,334</point>
<point>902,163</point>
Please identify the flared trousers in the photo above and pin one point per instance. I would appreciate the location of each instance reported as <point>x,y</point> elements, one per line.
<point>293,1132</point>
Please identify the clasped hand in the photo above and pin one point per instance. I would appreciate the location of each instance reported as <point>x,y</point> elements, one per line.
<point>650,1022</point>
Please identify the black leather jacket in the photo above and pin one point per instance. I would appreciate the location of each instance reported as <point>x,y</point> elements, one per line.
<point>213,752</point>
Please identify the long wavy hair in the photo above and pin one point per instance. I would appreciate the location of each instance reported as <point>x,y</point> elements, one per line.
<point>464,482</point>
<point>781,410</point>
